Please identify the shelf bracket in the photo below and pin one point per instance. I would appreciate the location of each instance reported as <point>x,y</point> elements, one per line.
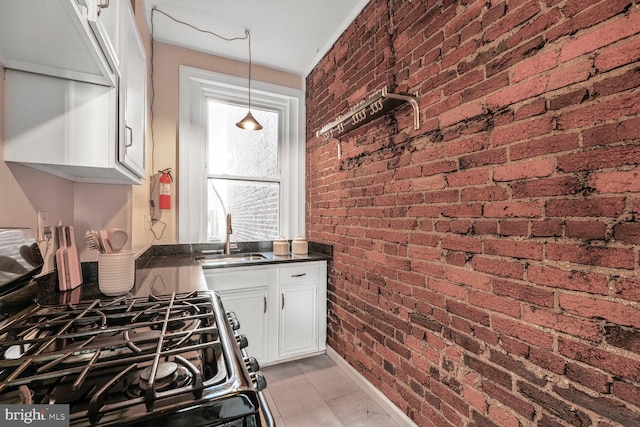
<point>378,104</point>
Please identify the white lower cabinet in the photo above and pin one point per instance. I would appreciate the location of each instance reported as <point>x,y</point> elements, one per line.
<point>282,309</point>
<point>250,307</point>
<point>298,332</point>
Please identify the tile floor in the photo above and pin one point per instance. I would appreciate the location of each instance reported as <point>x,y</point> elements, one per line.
<point>315,392</point>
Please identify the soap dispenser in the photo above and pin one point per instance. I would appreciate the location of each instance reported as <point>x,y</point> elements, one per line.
<point>281,246</point>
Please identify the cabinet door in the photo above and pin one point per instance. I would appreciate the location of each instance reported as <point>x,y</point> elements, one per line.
<point>105,19</point>
<point>133,99</point>
<point>250,307</point>
<point>298,319</point>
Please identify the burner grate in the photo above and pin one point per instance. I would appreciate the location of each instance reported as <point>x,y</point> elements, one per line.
<point>93,355</point>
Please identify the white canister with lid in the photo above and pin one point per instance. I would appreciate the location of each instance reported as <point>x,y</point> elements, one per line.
<point>281,246</point>
<point>300,246</point>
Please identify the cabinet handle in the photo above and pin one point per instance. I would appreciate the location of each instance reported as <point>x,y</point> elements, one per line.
<point>128,135</point>
<point>283,301</point>
<point>265,304</point>
<point>299,275</point>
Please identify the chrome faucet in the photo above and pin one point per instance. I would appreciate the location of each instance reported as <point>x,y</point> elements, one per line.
<point>227,243</point>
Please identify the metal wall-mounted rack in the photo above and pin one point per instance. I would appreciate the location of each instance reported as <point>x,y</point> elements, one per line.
<point>378,104</point>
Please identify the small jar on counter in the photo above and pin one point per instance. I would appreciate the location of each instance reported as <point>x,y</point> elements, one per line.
<point>300,246</point>
<point>281,246</point>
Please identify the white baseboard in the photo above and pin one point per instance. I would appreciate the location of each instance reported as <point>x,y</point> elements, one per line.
<point>376,395</point>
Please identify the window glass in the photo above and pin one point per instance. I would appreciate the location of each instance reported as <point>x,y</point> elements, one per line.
<point>238,152</point>
<point>243,174</point>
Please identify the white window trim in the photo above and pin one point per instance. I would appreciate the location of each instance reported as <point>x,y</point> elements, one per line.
<point>196,86</point>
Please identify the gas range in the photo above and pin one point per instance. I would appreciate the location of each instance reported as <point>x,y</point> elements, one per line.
<point>163,360</point>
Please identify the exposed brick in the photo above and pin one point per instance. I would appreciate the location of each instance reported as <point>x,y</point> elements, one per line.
<point>523,331</point>
<point>615,182</point>
<point>566,324</point>
<point>554,405</point>
<point>625,338</point>
<point>522,130</point>
<point>592,308</point>
<point>547,145</point>
<point>626,391</point>
<point>588,230</point>
<point>619,83</point>
<point>491,157</point>
<point>498,242</point>
<point>524,170</point>
<point>518,92</point>
<point>588,377</point>
<point>568,74</point>
<point>592,255</point>
<point>547,228</point>
<point>618,55</point>
<point>601,36</point>
<point>611,132</point>
<point>506,397</point>
<point>515,249</point>
<point>610,109</point>
<point>568,99</point>
<point>490,372</point>
<point>628,288</point>
<point>501,268</point>
<point>524,292</point>
<point>514,228</point>
<point>600,207</point>
<point>545,187</point>
<point>575,280</point>
<point>513,210</point>
<point>609,408</point>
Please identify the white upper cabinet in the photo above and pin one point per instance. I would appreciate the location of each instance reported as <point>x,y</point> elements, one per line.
<point>71,123</point>
<point>55,38</point>
<point>133,97</point>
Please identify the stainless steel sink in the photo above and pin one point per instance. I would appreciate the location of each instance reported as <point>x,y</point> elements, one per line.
<point>229,259</point>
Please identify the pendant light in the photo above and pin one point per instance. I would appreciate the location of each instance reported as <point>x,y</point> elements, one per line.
<point>249,122</point>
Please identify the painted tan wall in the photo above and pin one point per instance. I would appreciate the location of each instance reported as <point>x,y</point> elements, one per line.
<point>167,60</point>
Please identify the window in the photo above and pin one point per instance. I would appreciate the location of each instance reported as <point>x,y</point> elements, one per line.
<point>257,177</point>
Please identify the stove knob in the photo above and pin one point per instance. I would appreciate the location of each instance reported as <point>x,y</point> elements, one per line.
<point>233,320</point>
<point>242,340</point>
<point>252,364</point>
<point>259,381</point>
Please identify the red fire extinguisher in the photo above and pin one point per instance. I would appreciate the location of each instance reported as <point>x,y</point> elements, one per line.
<point>165,188</point>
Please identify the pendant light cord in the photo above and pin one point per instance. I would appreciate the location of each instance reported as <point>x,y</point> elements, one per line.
<point>248,35</point>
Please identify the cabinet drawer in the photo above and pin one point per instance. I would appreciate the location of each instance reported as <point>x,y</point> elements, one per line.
<point>299,273</point>
<point>235,279</point>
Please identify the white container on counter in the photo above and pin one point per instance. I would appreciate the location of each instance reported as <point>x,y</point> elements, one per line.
<point>116,273</point>
<point>281,246</point>
<point>299,246</point>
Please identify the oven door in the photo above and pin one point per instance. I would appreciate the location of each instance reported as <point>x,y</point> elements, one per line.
<point>232,411</point>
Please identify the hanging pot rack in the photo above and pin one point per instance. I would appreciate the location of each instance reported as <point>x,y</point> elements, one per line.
<point>378,104</point>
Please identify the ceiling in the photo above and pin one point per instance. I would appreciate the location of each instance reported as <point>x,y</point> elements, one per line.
<point>287,35</point>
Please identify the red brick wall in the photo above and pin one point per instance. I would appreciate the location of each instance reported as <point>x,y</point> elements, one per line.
<point>485,266</point>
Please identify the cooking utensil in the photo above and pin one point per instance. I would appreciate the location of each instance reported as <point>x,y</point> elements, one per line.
<point>117,238</point>
<point>61,259</point>
<point>104,242</point>
<point>92,240</point>
<point>75,269</point>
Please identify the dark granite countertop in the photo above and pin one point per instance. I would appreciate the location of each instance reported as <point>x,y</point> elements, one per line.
<point>164,269</point>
